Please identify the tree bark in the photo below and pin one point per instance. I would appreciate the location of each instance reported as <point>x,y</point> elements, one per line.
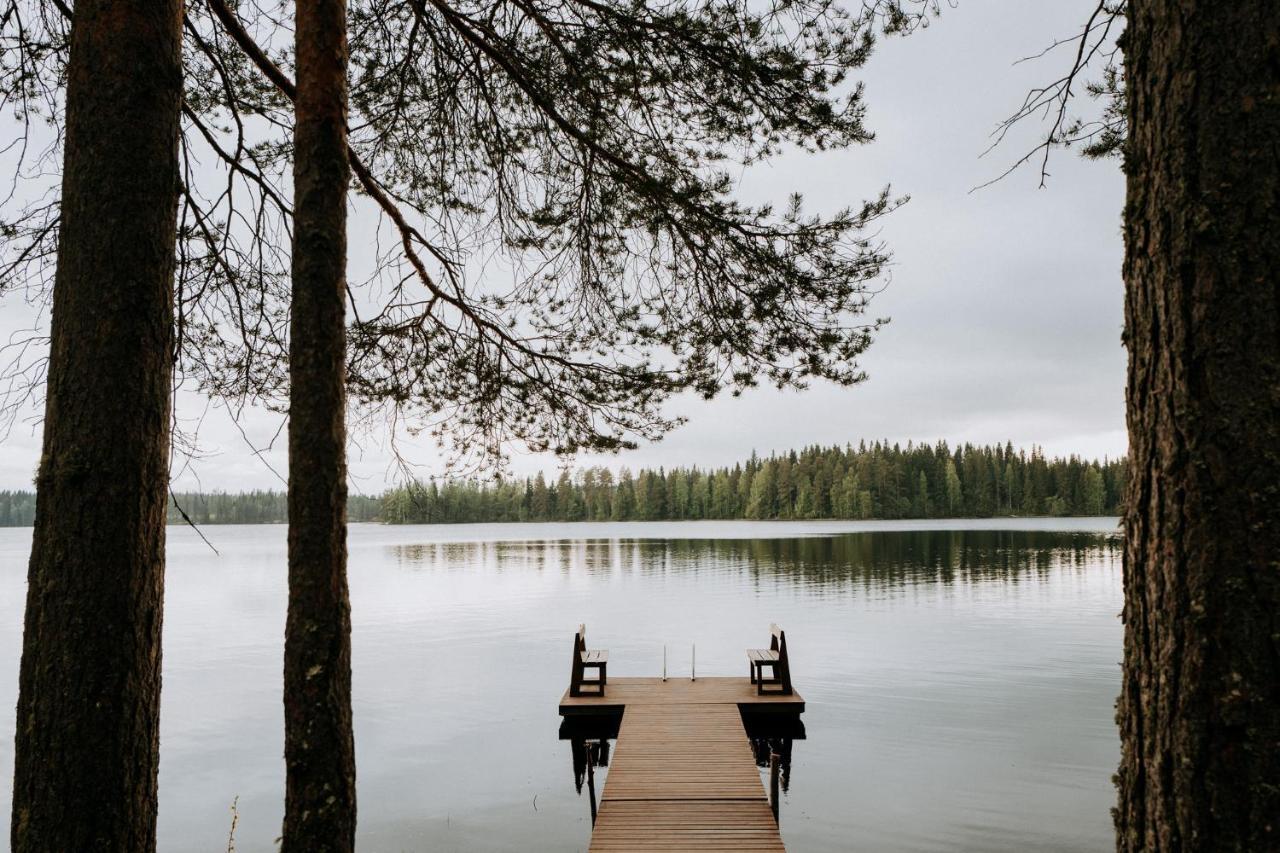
<point>1199,714</point>
<point>87,742</point>
<point>320,797</point>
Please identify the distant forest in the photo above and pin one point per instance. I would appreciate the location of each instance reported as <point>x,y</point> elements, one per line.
<point>18,509</point>
<point>868,481</point>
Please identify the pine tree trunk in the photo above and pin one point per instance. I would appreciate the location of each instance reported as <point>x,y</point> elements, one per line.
<point>1200,710</point>
<point>87,742</point>
<point>320,798</point>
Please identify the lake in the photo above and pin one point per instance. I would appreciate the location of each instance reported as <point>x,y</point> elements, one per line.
<point>959,676</point>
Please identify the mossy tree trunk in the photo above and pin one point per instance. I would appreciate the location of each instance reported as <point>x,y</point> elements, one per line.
<point>87,740</point>
<point>1200,710</point>
<point>320,798</point>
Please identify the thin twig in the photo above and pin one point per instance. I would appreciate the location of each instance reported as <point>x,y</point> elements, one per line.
<point>200,533</point>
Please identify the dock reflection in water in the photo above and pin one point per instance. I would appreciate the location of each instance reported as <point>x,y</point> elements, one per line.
<point>774,734</point>
<point>589,740</point>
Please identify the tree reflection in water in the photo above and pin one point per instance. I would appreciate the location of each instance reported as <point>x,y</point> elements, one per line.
<point>874,561</point>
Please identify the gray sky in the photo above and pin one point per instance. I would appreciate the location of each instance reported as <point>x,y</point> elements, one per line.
<point>1005,302</point>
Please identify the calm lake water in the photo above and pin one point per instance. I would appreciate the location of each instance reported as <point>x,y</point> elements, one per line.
<point>959,676</point>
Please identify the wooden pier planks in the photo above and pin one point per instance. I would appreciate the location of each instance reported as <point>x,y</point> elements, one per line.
<point>683,777</point>
<point>673,826</point>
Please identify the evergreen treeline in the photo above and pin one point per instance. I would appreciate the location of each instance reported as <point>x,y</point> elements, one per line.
<point>18,509</point>
<point>256,507</point>
<point>870,481</point>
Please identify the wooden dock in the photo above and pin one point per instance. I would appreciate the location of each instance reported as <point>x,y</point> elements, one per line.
<point>626,692</point>
<point>683,775</point>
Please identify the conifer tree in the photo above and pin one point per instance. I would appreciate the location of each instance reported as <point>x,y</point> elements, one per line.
<point>1200,709</point>
<point>1080,488</point>
<point>88,715</point>
<point>319,748</point>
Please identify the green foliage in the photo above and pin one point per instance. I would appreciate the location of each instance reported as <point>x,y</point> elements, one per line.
<point>876,480</point>
<point>256,507</point>
<point>561,247</point>
<point>870,481</point>
<point>18,509</point>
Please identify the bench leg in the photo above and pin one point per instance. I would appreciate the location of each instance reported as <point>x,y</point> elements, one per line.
<point>773,677</point>
<point>598,683</point>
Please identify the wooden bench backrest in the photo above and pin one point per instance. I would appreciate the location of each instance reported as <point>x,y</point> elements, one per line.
<point>579,646</point>
<point>779,644</point>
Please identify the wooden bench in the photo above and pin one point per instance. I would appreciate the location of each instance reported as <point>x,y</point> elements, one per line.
<point>583,660</point>
<point>774,657</point>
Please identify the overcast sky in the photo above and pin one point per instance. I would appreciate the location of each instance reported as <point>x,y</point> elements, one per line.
<point>1005,302</point>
